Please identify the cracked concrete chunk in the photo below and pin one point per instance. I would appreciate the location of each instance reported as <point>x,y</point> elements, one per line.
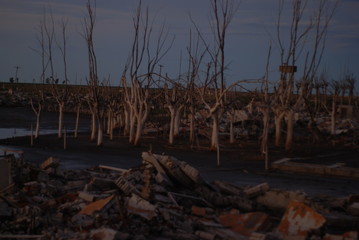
<point>299,219</point>
<point>141,207</point>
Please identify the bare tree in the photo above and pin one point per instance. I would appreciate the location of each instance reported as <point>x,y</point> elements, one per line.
<point>195,58</point>
<point>175,103</point>
<point>299,33</point>
<point>61,93</point>
<point>214,81</point>
<point>94,95</point>
<point>136,92</point>
<point>37,108</point>
<point>37,100</point>
<point>265,109</point>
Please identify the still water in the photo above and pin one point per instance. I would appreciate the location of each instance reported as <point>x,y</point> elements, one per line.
<point>20,132</point>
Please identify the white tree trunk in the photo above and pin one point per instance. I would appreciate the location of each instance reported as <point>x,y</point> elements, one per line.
<point>77,120</point>
<point>109,119</point>
<point>138,135</point>
<point>61,117</point>
<point>177,121</point>
<point>112,126</point>
<point>38,115</point>
<point>264,138</point>
<point>290,127</point>
<point>37,128</point>
<point>215,131</point>
<point>126,123</point>
<point>172,125</point>
<point>278,128</point>
<point>141,117</point>
<point>132,127</point>
<point>100,132</point>
<point>191,128</point>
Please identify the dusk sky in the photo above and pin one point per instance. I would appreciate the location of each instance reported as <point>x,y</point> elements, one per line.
<point>249,36</point>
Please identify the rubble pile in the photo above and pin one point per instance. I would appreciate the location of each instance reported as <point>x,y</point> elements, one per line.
<point>163,198</point>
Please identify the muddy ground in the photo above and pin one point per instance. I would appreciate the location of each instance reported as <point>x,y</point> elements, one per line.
<point>240,163</point>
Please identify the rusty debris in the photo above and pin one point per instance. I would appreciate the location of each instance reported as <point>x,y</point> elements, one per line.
<point>163,198</point>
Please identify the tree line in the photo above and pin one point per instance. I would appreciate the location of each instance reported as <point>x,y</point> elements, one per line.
<point>204,83</point>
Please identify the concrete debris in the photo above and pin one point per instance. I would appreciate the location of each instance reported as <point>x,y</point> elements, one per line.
<point>334,170</point>
<point>163,198</point>
<point>50,162</point>
<point>137,205</point>
<point>277,200</point>
<point>353,209</point>
<point>299,220</point>
<point>257,190</point>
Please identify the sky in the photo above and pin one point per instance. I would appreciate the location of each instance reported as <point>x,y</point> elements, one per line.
<point>251,32</point>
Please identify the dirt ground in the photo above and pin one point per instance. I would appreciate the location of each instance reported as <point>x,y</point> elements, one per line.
<point>240,163</point>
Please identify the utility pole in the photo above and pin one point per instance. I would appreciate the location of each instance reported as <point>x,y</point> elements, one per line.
<point>16,71</point>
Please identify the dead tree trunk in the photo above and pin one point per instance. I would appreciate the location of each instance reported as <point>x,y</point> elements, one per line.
<point>215,131</point>
<point>78,109</point>
<point>37,109</point>
<point>290,123</point>
<point>278,118</point>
